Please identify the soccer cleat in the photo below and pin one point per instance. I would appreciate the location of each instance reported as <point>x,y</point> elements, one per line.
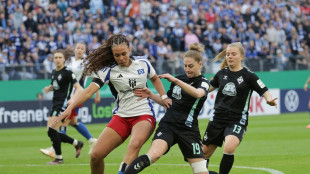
<point>78,148</point>
<point>212,172</point>
<point>48,152</point>
<point>56,161</point>
<point>92,142</point>
<point>308,127</point>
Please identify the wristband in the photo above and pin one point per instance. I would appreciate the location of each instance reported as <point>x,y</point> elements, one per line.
<point>163,97</point>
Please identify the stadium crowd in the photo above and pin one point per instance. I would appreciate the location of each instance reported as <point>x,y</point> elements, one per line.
<point>276,33</point>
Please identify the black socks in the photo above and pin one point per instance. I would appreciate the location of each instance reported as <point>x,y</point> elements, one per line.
<point>226,163</point>
<point>138,165</point>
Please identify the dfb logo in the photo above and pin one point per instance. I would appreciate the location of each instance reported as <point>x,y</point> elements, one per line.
<point>291,100</point>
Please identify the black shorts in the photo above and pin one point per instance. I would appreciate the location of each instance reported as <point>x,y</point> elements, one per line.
<point>56,110</point>
<point>189,141</point>
<point>217,131</point>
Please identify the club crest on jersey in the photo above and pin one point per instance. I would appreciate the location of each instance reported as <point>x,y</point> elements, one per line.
<point>59,77</point>
<point>140,71</point>
<point>240,80</point>
<point>225,77</point>
<point>132,83</point>
<point>230,89</point>
<point>176,92</point>
<point>55,85</point>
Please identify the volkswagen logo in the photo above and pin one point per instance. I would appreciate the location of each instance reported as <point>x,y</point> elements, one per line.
<point>291,100</point>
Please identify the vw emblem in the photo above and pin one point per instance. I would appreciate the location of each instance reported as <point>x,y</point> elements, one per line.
<point>291,100</point>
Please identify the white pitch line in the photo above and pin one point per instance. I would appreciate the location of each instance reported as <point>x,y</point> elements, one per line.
<point>271,171</point>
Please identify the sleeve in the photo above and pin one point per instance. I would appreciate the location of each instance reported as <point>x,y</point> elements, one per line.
<point>169,92</point>
<point>98,82</point>
<point>102,77</point>
<point>205,85</point>
<point>257,85</point>
<point>215,81</point>
<point>72,77</point>
<point>53,73</point>
<point>150,70</point>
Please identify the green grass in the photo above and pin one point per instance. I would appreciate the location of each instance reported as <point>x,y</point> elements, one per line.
<point>275,142</point>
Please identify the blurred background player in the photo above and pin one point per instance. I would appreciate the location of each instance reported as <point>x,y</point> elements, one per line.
<point>75,64</point>
<point>62,83</point>
<point>236,84</point>
<point>306,89</point>
<point>111,63</point>
<point>179,124</point>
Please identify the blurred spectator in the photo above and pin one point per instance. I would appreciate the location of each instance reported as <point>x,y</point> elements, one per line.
<point>273,27</point>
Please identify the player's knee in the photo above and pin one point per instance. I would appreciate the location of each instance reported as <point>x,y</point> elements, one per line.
<point>96,157</point>
<point>51,133</point>
<point>199,167</point>
<point>135,145</point>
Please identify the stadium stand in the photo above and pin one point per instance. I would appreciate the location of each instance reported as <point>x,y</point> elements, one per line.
<point>276,33</point>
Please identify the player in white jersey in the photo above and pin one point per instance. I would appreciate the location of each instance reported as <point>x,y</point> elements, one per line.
<point>111,64</point>
<point>75,65</point>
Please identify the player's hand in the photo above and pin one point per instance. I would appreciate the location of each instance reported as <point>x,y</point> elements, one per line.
<point>167,76</point>
<point>167,103</point>
<point>306,87</point>
<point>64,116</point>
<point>46,89</point>
<point>70,102</point>
<point>142,93</point>
<point>97,99</point>
<point>272,102</point>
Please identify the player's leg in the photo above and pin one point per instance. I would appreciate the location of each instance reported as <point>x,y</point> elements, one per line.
<point>233,136</point>
<point>231,143</point>
<point>198,165</point>
<point>67,139</point>
<point>213,137</point>
<point>55,138</point>
<point>158,148</point>
<point>108,140</point>
<point>82,129</point>
<point>163,139</point>
<point>308,127</point>
<point>190,145</point>
<point>141,131</point>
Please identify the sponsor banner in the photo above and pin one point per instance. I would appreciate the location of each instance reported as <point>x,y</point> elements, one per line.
<point>294,100</point>
<point>36,113</point>
<point>258,106</point>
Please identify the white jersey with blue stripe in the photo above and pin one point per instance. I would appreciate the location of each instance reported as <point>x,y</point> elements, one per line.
<point>77,67</point>
<point>122,82</point>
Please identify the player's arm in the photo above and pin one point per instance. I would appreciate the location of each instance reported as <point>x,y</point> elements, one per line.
<point>49,88</point>
<point>85,95</point>
<point>78,90</point>
<point>306,84</point>
<point>269,100</point>
<point>97,97</point>
<point>192,91</point>
<point>146,93</point>
<point>160,89</point>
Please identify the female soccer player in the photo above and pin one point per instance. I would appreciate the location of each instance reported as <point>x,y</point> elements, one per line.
<point>75,64</point>
<point>179,124</point>
<point>235,85</point>
<point>112,65</point>
<point>63,81</point>
<point>306,89</point>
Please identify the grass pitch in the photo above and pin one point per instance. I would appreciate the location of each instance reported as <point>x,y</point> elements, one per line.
<point>272,144</point>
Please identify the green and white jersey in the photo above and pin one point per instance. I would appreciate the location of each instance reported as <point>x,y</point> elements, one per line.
<point>185,109</point>
<point>234,93</point>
